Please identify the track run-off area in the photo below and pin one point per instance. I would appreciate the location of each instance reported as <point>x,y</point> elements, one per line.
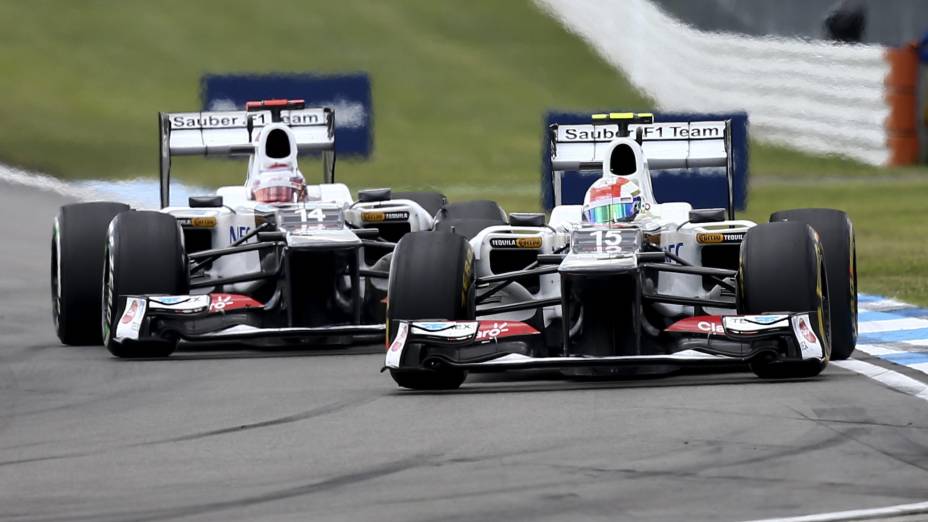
<point>322,435</point>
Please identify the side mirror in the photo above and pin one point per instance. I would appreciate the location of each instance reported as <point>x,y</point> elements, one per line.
<point>272,235</point>
<point>204,201</point>
<point>371,195</point>
<point>526,219</point>
<point>707,215</point>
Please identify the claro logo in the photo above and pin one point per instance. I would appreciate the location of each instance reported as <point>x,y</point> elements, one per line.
<point>710,327</point>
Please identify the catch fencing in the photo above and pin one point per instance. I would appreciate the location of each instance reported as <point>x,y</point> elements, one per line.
<point>816,96</point>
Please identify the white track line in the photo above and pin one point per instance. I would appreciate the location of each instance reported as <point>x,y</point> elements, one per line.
<point>876,351</point>
<point>26,178</point>
<point>884,304</point>
<point>900,510</point>
<point>892,325</point>
<point>894,380</point>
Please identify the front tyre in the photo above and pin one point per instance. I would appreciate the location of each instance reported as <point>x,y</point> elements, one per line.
<point>783,270</point>
<point>431,277</point>
<point>836,234</point>
<point>78,236</point>
<point>144,255</point>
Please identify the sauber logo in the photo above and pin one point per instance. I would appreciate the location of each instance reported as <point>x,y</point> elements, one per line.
<point>516,242</point>
<point>588,133</point>
<point>716,237</point>
<point>130,312</point>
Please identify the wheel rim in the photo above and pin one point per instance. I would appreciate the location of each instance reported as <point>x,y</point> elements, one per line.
<point>56,276</point>
<point>826,312</point>
<point>853,289</point>
<point>108,276</point>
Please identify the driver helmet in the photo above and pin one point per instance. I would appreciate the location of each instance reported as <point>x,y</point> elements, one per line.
<point>616,200</point>
<point>281,186</point>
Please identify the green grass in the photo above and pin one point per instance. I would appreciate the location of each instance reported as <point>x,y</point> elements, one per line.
<point>781,163</point>
<point>459,92</point>
<point>889,217</point>
<point>459,89</point>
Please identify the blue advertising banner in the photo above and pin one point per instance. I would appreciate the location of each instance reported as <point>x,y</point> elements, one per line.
<point>702,188</point>
<point>348,94</point>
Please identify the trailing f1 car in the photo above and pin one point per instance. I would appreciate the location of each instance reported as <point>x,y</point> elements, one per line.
<point>272,261</point>
<point>624,282</point>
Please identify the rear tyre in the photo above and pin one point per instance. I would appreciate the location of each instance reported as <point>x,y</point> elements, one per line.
<point>144,255</point>
<point>836,234</point>
<point>782,270</point>
<point>468,218</point>
<point>430,201</point>
<point>78,236</point>
<point>431,277</point>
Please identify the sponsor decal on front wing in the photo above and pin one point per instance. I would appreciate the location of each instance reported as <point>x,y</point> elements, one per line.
<point>809,344</point>
<point>493,330</point>
<point>754,323</point>
<point>701,324</point>
<point>131,321</point>
<point>395,351</point>
<point>227,302</point>
<point>451,330</point>
<point>179,303</point>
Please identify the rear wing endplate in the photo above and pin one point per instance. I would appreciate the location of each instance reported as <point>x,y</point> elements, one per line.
<point>666,145</point>
<point>233,133</point>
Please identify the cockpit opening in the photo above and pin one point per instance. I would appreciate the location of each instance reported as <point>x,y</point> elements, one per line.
<point>622,162</point>
<point>277,145</point>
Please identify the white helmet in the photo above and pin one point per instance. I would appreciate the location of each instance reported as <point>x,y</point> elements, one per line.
<point>282,186</point>
<point>615,200</point>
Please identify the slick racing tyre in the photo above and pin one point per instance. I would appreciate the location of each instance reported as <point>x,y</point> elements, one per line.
<point>782,270</point>
<point>78,236</point>
<point>144,255</point>
<point>432,202</point>
<point>836,234</point>
<point>431,277</point>
<point>468,218</point>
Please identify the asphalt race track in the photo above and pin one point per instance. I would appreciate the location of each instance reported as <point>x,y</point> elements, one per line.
<point>247,435</point>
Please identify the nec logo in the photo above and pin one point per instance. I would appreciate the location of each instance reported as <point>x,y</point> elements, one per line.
<point>236,233</point>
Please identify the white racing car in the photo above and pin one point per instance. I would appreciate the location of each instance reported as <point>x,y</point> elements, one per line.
<point>623,282</point>
<point>273,261</point>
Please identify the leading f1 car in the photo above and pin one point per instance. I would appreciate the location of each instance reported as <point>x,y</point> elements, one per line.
<point>623,281</point>
<point>272,261</point>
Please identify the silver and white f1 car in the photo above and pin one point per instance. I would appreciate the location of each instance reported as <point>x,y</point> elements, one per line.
<point>675,286</point>
<point>230,267</point>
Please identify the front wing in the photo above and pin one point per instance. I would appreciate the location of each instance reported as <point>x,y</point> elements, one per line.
<point>226,318</point>
<point>493,346</point>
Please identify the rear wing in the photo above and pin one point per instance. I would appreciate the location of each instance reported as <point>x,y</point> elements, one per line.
<point>673,145</point>
<point>233,133</point>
